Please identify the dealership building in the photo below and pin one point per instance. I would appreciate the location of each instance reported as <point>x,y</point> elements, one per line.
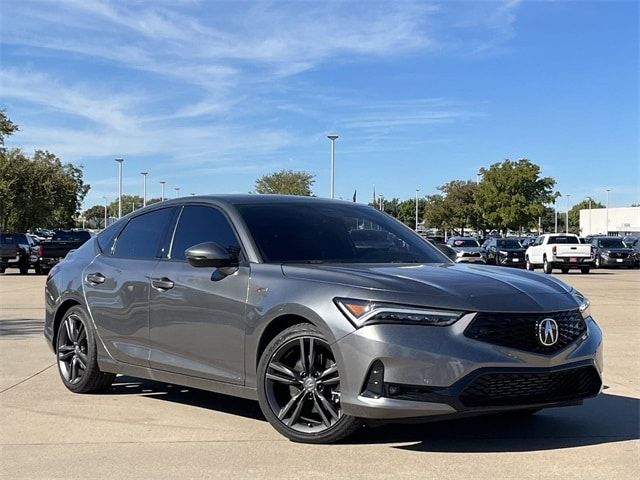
<point>612,221</point>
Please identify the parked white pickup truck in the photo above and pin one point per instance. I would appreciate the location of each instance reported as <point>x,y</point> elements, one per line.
<point>559,250</point>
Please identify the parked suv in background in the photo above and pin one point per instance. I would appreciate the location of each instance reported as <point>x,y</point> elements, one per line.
<point>17,250</point>
<point>559,250</point>
<point>612,252</point>
<point>505,251</point>
<point>50,252</point>
<point>281,299</point>
<point>467,249</point>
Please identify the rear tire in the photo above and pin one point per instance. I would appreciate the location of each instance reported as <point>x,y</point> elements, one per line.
<point>77,356</point>
<point>299,387</point>
<point>564,270</point>
<point>585,270</point>
<point>24,269</point>
<point>1,269</point>
<point>546,267</point>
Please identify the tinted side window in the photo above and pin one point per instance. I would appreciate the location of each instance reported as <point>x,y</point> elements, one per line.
<point>143,235</point>
<point>203,224</point>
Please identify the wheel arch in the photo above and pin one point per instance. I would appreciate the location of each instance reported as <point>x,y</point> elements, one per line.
<point>60,312</point>
<point>274,327</point>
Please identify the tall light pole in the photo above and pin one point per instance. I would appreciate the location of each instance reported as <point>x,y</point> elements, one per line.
<point>606,232</point>
<point>590,200</point>
<point>566,220</point>
<point>555,211</point>
<point>119,160</point>
<point>162,182</point>
<point>333,137</point>
<point>417,190</point>
<point>177,189</point>
<point>105,212</point>
<point>144,188</point>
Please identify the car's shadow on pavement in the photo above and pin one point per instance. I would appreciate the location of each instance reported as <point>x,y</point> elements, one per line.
<point>124,385</point>
<point>604,419</point>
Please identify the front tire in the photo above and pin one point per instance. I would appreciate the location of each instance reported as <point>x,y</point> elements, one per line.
<point>529,265</point>
<point>564,270</point>
<point>597,262</point>
<point>77,355</point>
<point>299,387</point>
<point>546,267</point>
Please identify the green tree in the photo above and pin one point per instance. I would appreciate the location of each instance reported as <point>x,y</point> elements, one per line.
<point>512,194</point>
<point>38,191</point>
<point>454,208</point>
<point>574,214</point>
<point>7,127</point>
<point>129,204</point>
<point>286,182</point>
<point>94,216</point>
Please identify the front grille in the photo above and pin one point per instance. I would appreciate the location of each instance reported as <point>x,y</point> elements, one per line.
<point>511,389</point>
<point>470,254</point>
<point>618,255</point>
<point>520,330</point>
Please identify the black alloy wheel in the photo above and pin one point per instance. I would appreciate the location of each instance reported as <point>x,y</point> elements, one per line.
<point>77,356</point>
<point>299,389</point>
<point>72,349</point>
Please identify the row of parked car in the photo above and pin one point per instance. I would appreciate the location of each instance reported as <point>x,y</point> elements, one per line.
<point>548,251</point>
<point>26,250</point>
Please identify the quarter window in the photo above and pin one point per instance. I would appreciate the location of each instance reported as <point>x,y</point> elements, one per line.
<point>143,235</point>
<point>198,224</point>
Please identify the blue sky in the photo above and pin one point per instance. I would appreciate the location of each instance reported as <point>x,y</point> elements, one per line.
<point>210,95</point>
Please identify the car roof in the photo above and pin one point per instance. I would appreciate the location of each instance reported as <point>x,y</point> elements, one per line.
<point>256,199</point>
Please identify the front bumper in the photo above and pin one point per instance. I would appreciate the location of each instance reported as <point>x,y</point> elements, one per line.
<point>430,367</point>
<point>511,261</point>
<point>479,260</point>
<point>617,262</point>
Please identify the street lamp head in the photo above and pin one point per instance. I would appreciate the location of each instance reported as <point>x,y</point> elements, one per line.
<point>119,160</point>
<point>144,173</point>
<point>162,182</point>
<point>332,136</point>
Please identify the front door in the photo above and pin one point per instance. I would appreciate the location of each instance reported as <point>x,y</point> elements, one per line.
<point>197,315</point>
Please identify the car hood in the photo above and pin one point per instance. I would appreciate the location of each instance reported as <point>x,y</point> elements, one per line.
<point>512,250</point>
<point>454,286</point>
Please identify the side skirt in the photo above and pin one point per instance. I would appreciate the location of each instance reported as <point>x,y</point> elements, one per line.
<point>109,365</point>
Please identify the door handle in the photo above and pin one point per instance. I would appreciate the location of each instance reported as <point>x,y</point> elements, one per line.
<point>162,283</point>
<point>95,278</point>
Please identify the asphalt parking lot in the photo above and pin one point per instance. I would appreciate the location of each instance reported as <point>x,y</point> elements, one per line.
<point>143,429</point>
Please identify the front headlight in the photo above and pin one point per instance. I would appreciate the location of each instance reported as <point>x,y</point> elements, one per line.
<point>459,253</point>
<point>365,312</point>
<point>585,311</point>
<point>502,252</point>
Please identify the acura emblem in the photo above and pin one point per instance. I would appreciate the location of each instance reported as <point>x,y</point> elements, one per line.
<point>548,332</point>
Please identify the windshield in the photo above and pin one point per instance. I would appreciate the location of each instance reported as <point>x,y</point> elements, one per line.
<point>465,242</point>
<point>80,236</point>
<point>509,244</point>
<point>611,243</point>
<point>569,239</point>
<point>333,233</point>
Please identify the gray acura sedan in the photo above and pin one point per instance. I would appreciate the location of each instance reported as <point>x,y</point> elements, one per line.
<point>330,314</point>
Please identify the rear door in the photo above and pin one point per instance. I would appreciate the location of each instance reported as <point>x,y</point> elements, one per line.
<point>197,315</point>
<point>117,284</point>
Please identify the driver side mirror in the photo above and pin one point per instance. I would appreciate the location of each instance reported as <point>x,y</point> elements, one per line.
<point>209,254</point>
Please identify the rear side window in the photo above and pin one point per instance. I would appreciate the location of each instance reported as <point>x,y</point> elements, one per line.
<point>198,224</point>
<point>143,236</point>
<point>107,237</point>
